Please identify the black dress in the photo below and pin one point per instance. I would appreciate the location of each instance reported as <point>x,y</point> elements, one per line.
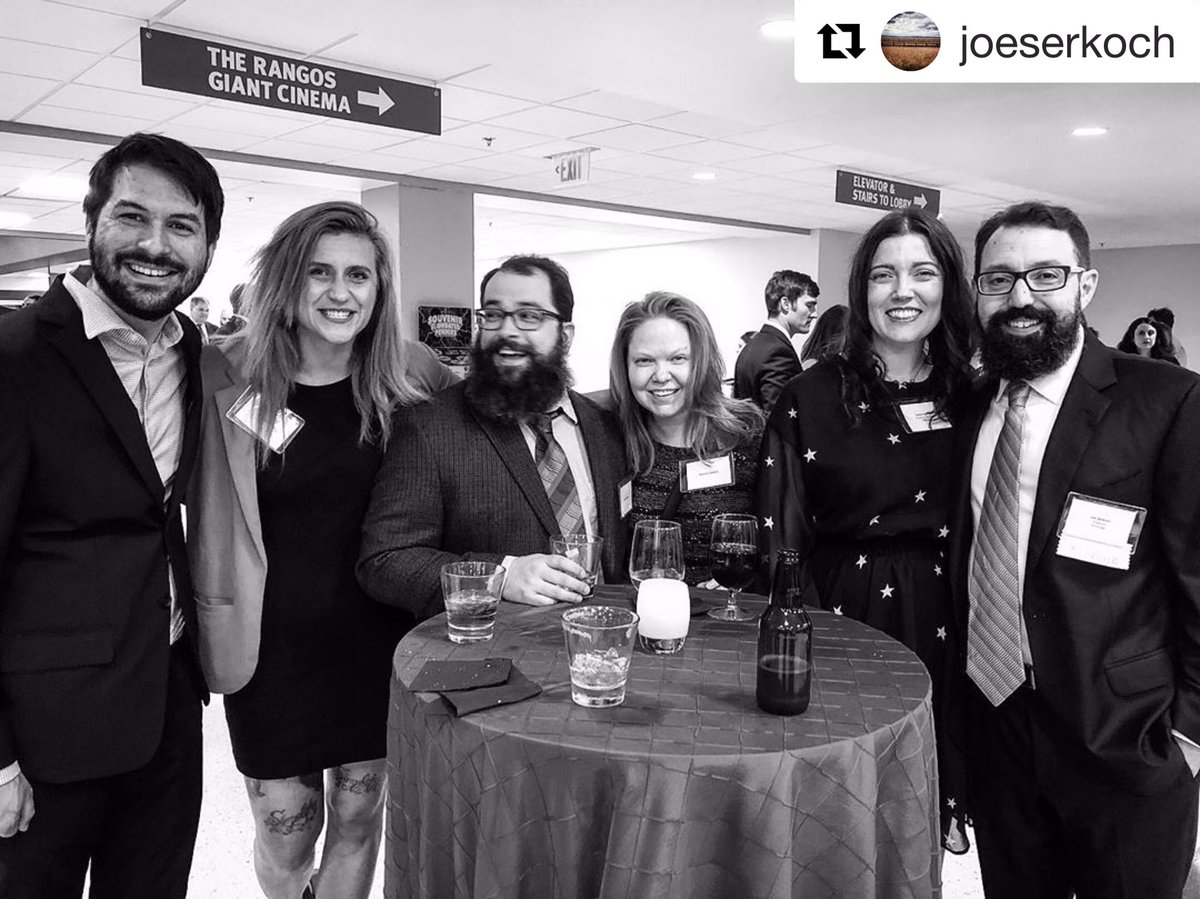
<point>868,506</point>
<point>698,508</point>
<point>319,695</point>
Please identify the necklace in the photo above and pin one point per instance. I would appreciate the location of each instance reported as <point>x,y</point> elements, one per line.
<point>920,373</point>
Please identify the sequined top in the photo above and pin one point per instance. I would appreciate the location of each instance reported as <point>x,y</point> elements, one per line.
<point>698,508</point>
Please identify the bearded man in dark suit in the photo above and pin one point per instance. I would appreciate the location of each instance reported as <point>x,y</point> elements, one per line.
<point>769,360</point>
<point>1075,564</point>
<point>460,479</point>
<point>100,691</point>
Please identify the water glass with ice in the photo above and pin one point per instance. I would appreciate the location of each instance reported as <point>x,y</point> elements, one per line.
<point>471,591</point>
<point>599,649</point>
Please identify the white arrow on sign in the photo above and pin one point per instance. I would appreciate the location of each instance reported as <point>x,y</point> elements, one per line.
<point>380,100</point>
<point>918,200</point>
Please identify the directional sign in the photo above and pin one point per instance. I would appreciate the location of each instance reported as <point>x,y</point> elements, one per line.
<point>874,192</point>
<point>212,69</point>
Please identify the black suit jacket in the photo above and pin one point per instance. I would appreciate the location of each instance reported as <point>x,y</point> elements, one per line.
<point>454,486</point>
<point>765,365</point>
<point>1116,653</point>
<point>84,541</point>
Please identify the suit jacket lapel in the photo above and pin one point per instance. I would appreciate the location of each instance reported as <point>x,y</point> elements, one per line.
<point>514,453</point>
<point>190,346</point>
<point>606,474</point>
<point>1083,406</point>
<point>239,451</point>
<point>99,379</point>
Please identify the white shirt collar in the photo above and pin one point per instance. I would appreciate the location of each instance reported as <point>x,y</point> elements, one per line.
<point>100,318</point>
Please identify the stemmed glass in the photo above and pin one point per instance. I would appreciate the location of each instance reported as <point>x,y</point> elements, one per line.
<point>657,551</point>
<point>734,556</point>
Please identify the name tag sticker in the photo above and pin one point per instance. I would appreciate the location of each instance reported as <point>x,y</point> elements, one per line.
<point>625,496</point>
<point>920,416</point>
<point>1099,531</point>
<point>244,414</point>
<point>706,473</point>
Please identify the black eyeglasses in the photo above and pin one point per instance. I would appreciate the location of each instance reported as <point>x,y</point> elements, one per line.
<point>526,319</point>
<point>1039,280</point>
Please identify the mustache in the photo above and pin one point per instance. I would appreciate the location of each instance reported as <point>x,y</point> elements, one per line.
<point>1005,316</point>
<point>163,260</point>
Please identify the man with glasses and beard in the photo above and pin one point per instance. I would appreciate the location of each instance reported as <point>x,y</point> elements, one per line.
<point>494,467</point>
<point>1073,553</point>
<point>100,691</point>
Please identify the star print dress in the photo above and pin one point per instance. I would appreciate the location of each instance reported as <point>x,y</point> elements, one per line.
<point>868,507</point>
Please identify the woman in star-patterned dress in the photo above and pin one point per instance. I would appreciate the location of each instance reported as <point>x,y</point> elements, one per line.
<point>855,458</point>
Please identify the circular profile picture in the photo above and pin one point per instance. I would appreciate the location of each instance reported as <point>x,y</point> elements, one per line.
<point>910,41</point>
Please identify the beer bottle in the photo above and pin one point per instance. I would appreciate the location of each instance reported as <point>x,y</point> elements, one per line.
<point>785,643</point>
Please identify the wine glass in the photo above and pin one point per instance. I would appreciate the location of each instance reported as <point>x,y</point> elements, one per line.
<point>734,555</point>
<point>657,551</point>
<point>663,608</point>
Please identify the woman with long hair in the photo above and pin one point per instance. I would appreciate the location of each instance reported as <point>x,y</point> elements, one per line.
<point>298,408</point>
<point>665,374</point>
<point>827,337</point>
<point>1150,338</point>
<point>857,449</point>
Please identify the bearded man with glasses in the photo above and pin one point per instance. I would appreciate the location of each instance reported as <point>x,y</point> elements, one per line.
<point>1077,583</point>
<point>496,466</point>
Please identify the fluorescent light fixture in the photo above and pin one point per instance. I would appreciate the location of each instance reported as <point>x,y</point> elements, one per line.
<point>13,219</point>
<point>778,29</point>
<point>54,187</point>
<point>705,176</point>
<point>1090,131</point>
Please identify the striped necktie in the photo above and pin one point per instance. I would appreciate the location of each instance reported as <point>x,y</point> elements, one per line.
<point>556,474</point>
<point>994,659</point>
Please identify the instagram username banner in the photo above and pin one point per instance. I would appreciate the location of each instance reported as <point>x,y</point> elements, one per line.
<point>894,41</point>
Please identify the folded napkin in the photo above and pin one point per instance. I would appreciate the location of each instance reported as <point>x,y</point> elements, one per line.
<point>518,688</point>
<point>437,675</point>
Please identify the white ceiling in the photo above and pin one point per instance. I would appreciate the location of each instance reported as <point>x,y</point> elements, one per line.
<point>661,89</point>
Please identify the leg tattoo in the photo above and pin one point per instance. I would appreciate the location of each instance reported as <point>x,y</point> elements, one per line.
<point>280,823</point>
<point>313,781</point>
<point>359,786</point>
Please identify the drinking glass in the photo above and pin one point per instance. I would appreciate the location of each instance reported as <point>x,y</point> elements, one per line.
<point>471,591</point>
<point>657,551</point>
<point>599,650</point>
<point>583,551</point>
<point>734,556</point>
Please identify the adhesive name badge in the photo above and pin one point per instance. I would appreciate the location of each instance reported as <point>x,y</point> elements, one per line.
<point>625,496</point>
<point>244,414</point>
<point>920,415</point>
<point>704,474</point>
<point>1099,531</point>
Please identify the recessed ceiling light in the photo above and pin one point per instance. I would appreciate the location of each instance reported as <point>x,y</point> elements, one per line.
<point>705,176</point>
<point>54,187</point>
<point>1090,131</point>
<point>13,219</point>
<point>778,28</point>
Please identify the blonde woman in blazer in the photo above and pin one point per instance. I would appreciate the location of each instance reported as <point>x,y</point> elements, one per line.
<point>301,652</point>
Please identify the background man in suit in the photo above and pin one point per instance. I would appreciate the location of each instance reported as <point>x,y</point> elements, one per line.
<point>198,312</point>
<point>769,359</point>
<point>1074,558</point>
<point>100,747</point>
<point>465,475</point>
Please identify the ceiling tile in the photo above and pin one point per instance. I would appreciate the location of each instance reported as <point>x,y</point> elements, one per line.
<point>636,164</point>
<point>19,91</point>
<point>465,174</point>
<point>503,140</point>
<point>245,119</point>
<point>383,162</point>
<point>41,60</point>
<point>142,103</point>
<point>513,163</point>
<point>290,149</point>
<point>700,125</point>
<point>780,138</point>
<point>328,134</point>
<point>83,120</point>
<point>476,106</point>
<point>835,154</point>
<point>115,73</point>
<point>208,138</point>
<point>635,138</point>
<point>708,152</point>
<point>65,26</point>
<point>437,151</point>
<point>555,122</point>
<point>516,80</point>
<point>774,164</point>
<point>618,106</point>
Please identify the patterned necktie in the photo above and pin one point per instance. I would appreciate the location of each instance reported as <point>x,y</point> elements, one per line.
<point>994,659</point>
<point>556,475</point>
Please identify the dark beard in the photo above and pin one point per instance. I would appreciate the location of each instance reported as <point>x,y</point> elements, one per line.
<point>1026,358</point>
<point>146,305</point>
<point>512,396</point>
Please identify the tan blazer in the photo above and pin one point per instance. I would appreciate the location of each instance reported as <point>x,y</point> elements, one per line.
<point>225,544</point>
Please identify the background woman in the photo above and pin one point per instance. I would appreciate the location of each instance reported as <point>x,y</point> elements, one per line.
<point>859,446</point>
<point>297,411</point>
<point>827,337</point>
<point>1149,338</point>
<point>665,377</point>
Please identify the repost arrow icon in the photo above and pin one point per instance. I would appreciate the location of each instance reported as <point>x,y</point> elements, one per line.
<point>379,99</point>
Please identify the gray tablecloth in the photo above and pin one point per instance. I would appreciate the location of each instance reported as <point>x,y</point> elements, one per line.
<point>687,790</point>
